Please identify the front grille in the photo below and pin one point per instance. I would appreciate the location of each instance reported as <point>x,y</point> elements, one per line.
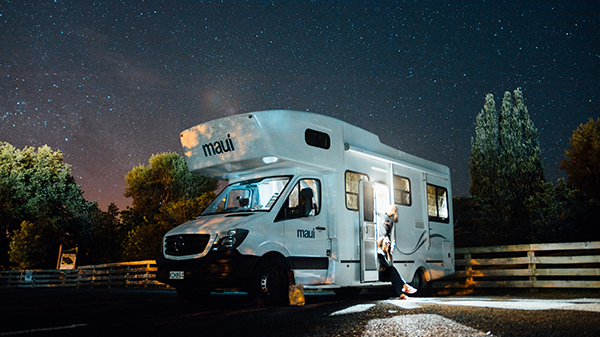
<point>186,244</point>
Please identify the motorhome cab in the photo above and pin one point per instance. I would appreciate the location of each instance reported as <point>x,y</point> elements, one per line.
<point>307,194</point>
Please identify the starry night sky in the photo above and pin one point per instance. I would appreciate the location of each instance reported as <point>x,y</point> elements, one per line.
<point>112,83</point>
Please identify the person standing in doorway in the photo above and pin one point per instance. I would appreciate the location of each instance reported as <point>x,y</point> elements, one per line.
<point>387,230</point>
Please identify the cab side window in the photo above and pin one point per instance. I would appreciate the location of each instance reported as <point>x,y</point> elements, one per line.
<point>304,201</point>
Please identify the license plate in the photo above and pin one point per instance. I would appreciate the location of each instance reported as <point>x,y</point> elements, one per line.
<point>175,275</point>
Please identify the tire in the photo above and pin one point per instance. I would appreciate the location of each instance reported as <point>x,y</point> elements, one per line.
<point>347,292</point>
<point>193,294</point>
<point>269,282</point>
<point>420,283</point>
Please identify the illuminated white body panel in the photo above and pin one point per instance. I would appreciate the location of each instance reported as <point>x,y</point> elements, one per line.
<point>291,143</point>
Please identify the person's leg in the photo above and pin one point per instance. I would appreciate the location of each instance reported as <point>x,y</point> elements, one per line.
<point>397,280</point>
<point>384,274</point>
<point>400,286</point>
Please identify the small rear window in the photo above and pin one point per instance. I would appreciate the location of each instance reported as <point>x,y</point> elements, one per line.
<point>317,139</point>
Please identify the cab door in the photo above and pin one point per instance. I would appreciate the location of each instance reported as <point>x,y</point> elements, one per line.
<point>369,268</point>
<point>305,232</point>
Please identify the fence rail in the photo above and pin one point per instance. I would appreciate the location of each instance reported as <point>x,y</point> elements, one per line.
<point>550,265</point>
<point>124,274</point>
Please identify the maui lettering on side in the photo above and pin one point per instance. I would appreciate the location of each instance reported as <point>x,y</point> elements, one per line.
<point>218,147</point>
<point>305,233</point>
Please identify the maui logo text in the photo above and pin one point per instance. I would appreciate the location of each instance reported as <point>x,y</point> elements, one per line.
<point>218,147</point>
<point>305,233</point>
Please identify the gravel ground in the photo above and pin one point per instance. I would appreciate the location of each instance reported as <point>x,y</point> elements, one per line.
<point>111,312</point>
<point>452,320</point>
<point>418,325</point>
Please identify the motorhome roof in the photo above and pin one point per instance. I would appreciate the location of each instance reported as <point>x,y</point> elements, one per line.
<point>237,145</point>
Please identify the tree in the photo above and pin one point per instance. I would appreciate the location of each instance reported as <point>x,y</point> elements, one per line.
<point>505,165</point>
<point>561,213</point>
<point>582,162</point>
<point>35,245</point>
<point>165,194</point>
<point>520,171</point>
<point>472,224</point>
<point>41,205</point>
<point>484,152</point>
<point>102,237</point>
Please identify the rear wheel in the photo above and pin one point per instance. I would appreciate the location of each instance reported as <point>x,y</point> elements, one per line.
<point>193,294</point>
<point>269,282</point>
<point>420,282</point>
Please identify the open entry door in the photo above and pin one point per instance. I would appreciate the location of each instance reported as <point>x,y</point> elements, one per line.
<point>368,235</point>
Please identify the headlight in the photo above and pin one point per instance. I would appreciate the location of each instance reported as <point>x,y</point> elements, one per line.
<point>230,240</point>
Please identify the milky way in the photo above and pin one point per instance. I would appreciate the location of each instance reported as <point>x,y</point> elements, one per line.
<point>111,83</point>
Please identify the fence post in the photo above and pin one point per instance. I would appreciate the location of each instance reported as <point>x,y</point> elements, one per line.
<point>468,268</point>
<point>147,276</point>
<point>78,278</point>
<point>532,267</point>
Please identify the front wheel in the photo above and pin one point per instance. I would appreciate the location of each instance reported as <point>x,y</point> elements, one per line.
<point>269,282</point>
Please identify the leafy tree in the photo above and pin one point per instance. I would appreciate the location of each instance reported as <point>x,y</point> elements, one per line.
<point>35,245</point>
<point>472,223</point>
<point>561,213</point>
<point>582,162</point>
<point>505,165</point>
<point>165,194</point>
<point>102,237</point>
<point>41,204</point>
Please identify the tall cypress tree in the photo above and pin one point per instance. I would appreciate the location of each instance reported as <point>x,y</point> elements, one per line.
<point>484,151</point>
<point>510,152</point>
<point>506,164</point>
<point>531,156</point>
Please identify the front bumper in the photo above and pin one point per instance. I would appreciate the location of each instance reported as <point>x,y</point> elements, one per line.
<point>220,271</point>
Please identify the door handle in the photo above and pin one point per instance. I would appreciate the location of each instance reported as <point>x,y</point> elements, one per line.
<point>321,228</point>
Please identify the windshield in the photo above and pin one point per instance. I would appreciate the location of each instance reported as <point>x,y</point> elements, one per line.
<point>250,195</point>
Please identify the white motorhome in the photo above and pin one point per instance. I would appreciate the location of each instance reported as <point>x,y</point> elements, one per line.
<point>306,197</point>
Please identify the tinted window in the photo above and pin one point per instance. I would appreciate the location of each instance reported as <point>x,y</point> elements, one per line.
<point>317,139</point>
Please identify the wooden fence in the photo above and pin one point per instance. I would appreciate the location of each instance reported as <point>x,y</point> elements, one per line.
<point>551,265</point>
<point>124,274</point>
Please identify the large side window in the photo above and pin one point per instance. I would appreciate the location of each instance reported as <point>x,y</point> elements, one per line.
<point>402,194</point>
<point>352,179</point>
<point>304,200</point>
<point>437,203</point>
